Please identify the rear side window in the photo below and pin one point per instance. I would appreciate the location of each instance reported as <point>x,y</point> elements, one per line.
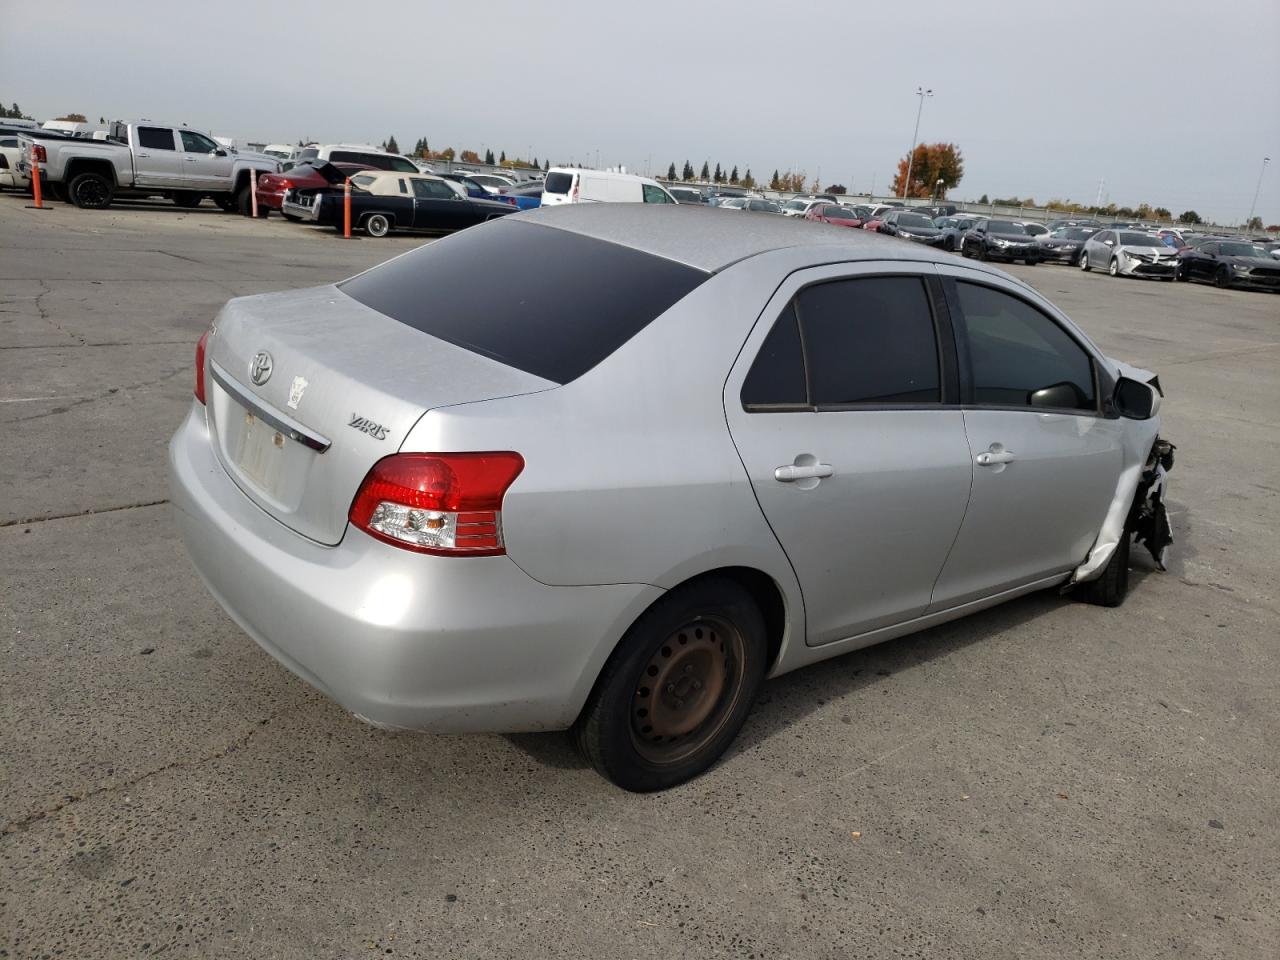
<point>558,182</point>
<point>1020,357</point>
<point>155,138</point>
<point>870,340</point>
<point>561,303</point>
<point>776,378</point>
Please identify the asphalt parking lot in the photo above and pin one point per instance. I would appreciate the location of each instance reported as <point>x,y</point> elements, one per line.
<point>1046,779</point>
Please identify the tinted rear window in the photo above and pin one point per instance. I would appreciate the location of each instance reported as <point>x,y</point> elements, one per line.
<point>542,300</point>
<point>558,182</point>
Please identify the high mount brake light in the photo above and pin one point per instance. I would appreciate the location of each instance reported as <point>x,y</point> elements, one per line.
<point>449,504</point>
<point>202,345</point>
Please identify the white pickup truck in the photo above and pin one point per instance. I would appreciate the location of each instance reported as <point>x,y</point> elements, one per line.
<point>144,159</point>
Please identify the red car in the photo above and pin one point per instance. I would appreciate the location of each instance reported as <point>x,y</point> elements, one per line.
<point>836,214</point>
<point>272,186</point>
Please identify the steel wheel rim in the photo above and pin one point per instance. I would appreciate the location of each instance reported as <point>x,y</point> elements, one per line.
<point>687,690</point>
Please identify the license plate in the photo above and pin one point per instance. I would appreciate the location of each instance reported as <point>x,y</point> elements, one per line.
<point>262,457</point>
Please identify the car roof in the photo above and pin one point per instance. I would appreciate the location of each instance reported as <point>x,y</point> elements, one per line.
<point>710,239</point>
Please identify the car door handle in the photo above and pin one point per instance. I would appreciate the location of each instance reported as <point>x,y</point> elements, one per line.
<point>789,473</point>
<point>991,459</point>
<point>191,159</point>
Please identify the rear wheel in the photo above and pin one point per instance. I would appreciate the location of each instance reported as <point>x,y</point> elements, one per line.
<point>1109,590</point>
<point>1032,262</point>
<point>377,225</point>
<point>91,191</point>
<point>677,689</point>
<point>185,198</point>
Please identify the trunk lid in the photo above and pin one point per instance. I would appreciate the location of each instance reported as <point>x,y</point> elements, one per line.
<point>340,387</point>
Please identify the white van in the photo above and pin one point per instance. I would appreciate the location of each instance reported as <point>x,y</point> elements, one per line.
<point>571,185</point>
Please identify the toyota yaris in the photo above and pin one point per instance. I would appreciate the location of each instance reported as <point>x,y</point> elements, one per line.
<point>658,457</point>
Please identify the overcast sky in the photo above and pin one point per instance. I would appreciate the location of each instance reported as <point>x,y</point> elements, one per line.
<point>1170,102</point>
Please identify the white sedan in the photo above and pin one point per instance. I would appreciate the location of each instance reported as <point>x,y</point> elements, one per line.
<point>1130,253</point>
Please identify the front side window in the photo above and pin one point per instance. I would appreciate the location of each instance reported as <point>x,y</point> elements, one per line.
<point>1020,357</point>
<point>196,142</point>
<point>433,190</point>
<point>654,194</point>
<point>869,341</point>
<point>155,138</point>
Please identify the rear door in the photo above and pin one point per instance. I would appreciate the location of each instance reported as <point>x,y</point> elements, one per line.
<point>203,168</point>
<point>1046,462</point>
<point>156,160</point>
<point>844,408</point>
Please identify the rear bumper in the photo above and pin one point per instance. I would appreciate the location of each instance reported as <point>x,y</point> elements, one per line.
<point>402,640</point>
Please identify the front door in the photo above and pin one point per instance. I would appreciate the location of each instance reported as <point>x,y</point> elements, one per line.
<point>836,406</point>
<point>437,206</point>
<point>203,168</point>
<point>1046,462</point>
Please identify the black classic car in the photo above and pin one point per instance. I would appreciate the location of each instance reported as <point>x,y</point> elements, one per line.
<point>387,200</point>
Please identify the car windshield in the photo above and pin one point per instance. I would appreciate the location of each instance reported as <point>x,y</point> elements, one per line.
<point>1241,250</point>
<point>796,204</point>
<point>1140,240</point>
<point>914,220</point>
<point>1005,227</point>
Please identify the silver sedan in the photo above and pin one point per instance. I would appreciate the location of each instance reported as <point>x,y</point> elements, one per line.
<point>654,460</point>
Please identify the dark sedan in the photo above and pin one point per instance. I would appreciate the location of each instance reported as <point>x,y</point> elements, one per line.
<point>915,227</point>
<point>1000,240</point>
<point>1230,263</point>
<point>382,201</point>
<point>1064,244</point>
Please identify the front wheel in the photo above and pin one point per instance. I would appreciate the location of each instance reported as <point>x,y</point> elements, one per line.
<point>377,225</point>
<point>1222,279</point>
<point>1032,262</point>
<point>678,688</point>
<point>1114,267</point>
<point>1110,588</point>
<point>185,198</point>
<point>1084,262</point>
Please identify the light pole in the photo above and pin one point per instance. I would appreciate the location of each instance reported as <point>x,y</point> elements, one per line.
<point>921,92</point>
<point>1256,190</point>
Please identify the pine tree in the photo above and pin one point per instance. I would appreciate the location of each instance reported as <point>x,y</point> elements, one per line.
<point>488,157</point>
<point>392,146</point>
<point>733,177</point>
<point>671,171</point>
<point>502,159</point>
<point>687,173</point>
<point>546,165</point>
<point>776,182</point>
<point>718,176</point>
<point>706,171</point>
<point>748,180</point>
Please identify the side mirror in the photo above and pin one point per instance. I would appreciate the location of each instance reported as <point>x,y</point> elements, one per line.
<point>1109,243</point>
<point>219,152</point>
<point>1135,400</point>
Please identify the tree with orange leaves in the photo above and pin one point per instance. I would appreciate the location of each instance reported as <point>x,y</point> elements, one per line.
<point>932,162</point>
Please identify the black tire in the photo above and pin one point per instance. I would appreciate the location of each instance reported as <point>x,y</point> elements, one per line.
<point>91,191</point>
<point>226,202</point>
<point>1113,268</point>
<point>1109,590</point>
<point>982,252</point>
<point>291,217</point>
<point>1032,262</point>
<point>58,191</point>
<point>706,644</point>
<point>185,198</point>
<point>244,203</point>
<point>1084,262</point>
<point>1222,279</point>
<point>377,224</point>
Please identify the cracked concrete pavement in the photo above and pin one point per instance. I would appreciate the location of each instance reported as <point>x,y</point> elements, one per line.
<point>1042,780</point>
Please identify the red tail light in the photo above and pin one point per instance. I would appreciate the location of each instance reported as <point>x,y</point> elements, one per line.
<point>201,346</point>
<point>39,154</point>
<point>449,504</point>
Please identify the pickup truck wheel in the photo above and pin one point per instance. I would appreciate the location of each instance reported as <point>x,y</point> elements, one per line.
<point>59,192</point>
<point>91,191</point>
<point>244,202</point>
<point>377,225</point>
<point>185,198</point>
<point>226,202</point>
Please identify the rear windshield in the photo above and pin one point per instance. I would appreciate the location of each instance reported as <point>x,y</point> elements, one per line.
<point>559,305</point>
<point>914,220</point>
<point>1139,240</point>
<point>558,182</point>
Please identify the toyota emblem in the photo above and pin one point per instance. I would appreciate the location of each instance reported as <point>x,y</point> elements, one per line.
<point>260,368</point>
